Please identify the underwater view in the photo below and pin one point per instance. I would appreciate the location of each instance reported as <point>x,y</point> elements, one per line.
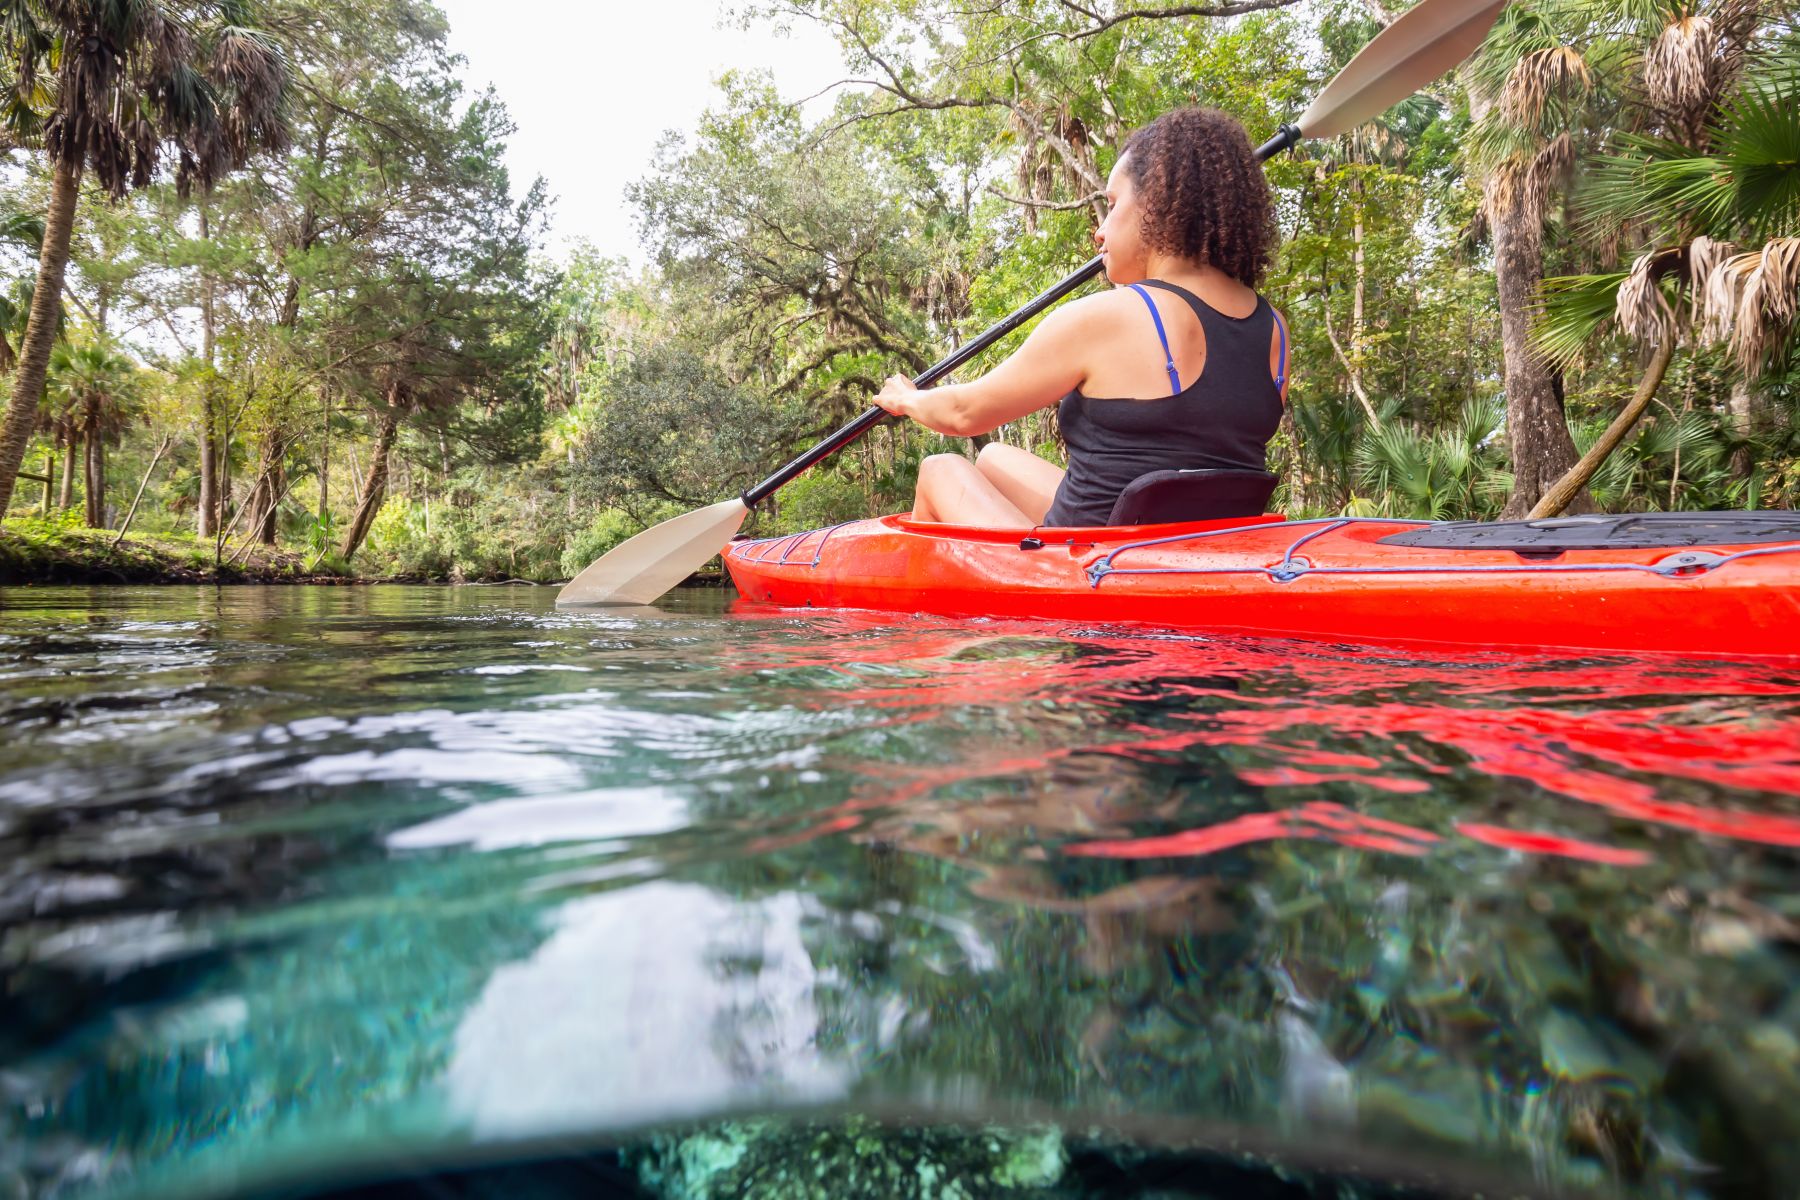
<point>325,890</point>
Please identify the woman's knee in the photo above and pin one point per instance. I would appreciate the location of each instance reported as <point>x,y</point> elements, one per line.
<point>942,466</point>
<point>997,453</point>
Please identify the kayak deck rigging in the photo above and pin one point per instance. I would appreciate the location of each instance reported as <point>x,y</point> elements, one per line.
<point>1290,567</point>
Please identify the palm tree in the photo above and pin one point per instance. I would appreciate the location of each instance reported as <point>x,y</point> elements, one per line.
<point>25,230</point>
<point>1327,432</point>
<point>117,84</point>
<point>1528,89</point>
<point>56,420</point>
<point>1714,190</point>
<point>95,388</point>
<point>1437,474</point>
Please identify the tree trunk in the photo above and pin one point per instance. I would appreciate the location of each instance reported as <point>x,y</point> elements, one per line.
<point>271,481</point>
<point>325,462</point>
<point>271,484</point>
<point>96,480</point>
<point>374,487</point>
<point>66,494</point>
<point>1740,418</point>
<point>1574,481</point>
<point>206,522</point>
<point>162,448</point>
<point>276,487</point>
<point>1537,429</point>
<point>40,330</point>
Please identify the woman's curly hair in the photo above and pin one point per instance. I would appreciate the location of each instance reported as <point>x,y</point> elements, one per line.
<point>1203,193</point>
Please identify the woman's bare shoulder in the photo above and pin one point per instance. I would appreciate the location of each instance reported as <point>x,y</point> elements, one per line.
<point>1094,311</point>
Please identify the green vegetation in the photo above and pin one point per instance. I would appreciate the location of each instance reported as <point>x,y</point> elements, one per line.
<point>781,1160</point>
<point>61,550</point>
<point>1565,276</point>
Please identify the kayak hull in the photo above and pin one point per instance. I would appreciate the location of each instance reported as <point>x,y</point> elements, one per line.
<point>1331,579</point>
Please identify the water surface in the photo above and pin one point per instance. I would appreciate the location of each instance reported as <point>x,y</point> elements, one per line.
<point>295,876</point>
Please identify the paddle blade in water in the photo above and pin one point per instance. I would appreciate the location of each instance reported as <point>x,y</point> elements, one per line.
<point>641,569</point>
<point>1423,44</point>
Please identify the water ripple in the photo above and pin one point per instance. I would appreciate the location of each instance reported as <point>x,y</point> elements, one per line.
<point>325,868</point>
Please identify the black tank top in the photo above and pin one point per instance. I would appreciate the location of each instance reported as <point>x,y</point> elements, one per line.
<point>1224,419</point>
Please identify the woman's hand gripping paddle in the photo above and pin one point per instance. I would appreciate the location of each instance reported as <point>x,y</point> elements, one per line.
<point>1423,44</point>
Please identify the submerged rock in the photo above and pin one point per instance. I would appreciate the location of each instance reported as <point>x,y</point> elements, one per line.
<point>780,1160</point>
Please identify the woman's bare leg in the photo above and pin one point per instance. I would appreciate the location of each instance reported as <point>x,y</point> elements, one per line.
<point>1026,480</point>
<point>953,491</point>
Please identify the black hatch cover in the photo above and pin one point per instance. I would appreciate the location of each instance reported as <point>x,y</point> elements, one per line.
<point>1625,531</point>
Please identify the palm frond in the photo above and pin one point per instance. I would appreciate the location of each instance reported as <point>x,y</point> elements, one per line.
<point>1539,76</point>
<point>1749,185</point>
<point>1775,64</point>
<point>1750,301</point>
<point>1641,308</point>
<point>1678,70</point>
<point>1759,139</point>
<point>23,121</point>
<point>1573,309</point>
<point>253,63</point>
<point>1704,256</point>
<point>1480,419</point>
<point>22,229</point>
<point>1659,182</point>
<point>1550,169</point>
<point>1453,455</point>
<point>1493,487</point>
<point>1521,30</point>
<point>1696,437</point>
<point>184,99</point>
<point>163,37</point>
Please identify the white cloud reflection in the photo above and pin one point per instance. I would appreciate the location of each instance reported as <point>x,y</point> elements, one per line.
<point>659,1002</point>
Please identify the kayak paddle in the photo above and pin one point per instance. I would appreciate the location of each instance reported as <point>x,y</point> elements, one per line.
<point>1423,44</point>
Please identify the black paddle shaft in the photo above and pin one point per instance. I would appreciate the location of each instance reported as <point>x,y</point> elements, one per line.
<point>1286,136</point>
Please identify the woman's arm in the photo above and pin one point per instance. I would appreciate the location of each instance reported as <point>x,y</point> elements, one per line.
<point>1046,367</point>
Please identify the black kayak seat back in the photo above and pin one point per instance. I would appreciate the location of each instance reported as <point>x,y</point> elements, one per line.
<point>1607,531</point>
<point>1202,494</point>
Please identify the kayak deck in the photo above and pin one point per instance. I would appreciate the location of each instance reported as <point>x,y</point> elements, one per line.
<point>1338,578</point>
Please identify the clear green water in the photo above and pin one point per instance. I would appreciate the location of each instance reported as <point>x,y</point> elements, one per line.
<point>299,877</point>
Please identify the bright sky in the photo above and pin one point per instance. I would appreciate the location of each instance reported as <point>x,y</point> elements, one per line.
<point>593,86</point>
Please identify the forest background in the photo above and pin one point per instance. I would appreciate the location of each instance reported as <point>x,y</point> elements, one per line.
<point>268,293</point>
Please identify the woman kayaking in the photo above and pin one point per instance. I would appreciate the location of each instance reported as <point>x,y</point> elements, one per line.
<point>1187,237</point>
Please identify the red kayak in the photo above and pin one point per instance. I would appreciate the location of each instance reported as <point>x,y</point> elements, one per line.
<point>1718,584</point>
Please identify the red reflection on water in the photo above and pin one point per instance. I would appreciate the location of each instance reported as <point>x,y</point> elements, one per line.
<point>1291,777</point>
<point>1332,822</point>
<point>1321,820</point>
<point>1532,842</point>
<point>1649,739</point>
<point>1571,752</point>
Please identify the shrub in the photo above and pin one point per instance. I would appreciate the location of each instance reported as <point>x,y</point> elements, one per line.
<point>610,527</point>
<point>818,498</point>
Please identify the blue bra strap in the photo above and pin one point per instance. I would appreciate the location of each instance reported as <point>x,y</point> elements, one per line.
<point>1281,361</point>
<point>1168,355</point>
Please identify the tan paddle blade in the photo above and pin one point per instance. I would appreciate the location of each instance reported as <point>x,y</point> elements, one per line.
<point>1423,44</point>
<point>641,569</point>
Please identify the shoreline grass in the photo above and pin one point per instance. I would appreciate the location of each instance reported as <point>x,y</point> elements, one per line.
<point>36,550</point>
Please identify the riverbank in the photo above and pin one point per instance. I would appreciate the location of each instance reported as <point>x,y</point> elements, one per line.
<point>47,552</point>
<point>35,551</point>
